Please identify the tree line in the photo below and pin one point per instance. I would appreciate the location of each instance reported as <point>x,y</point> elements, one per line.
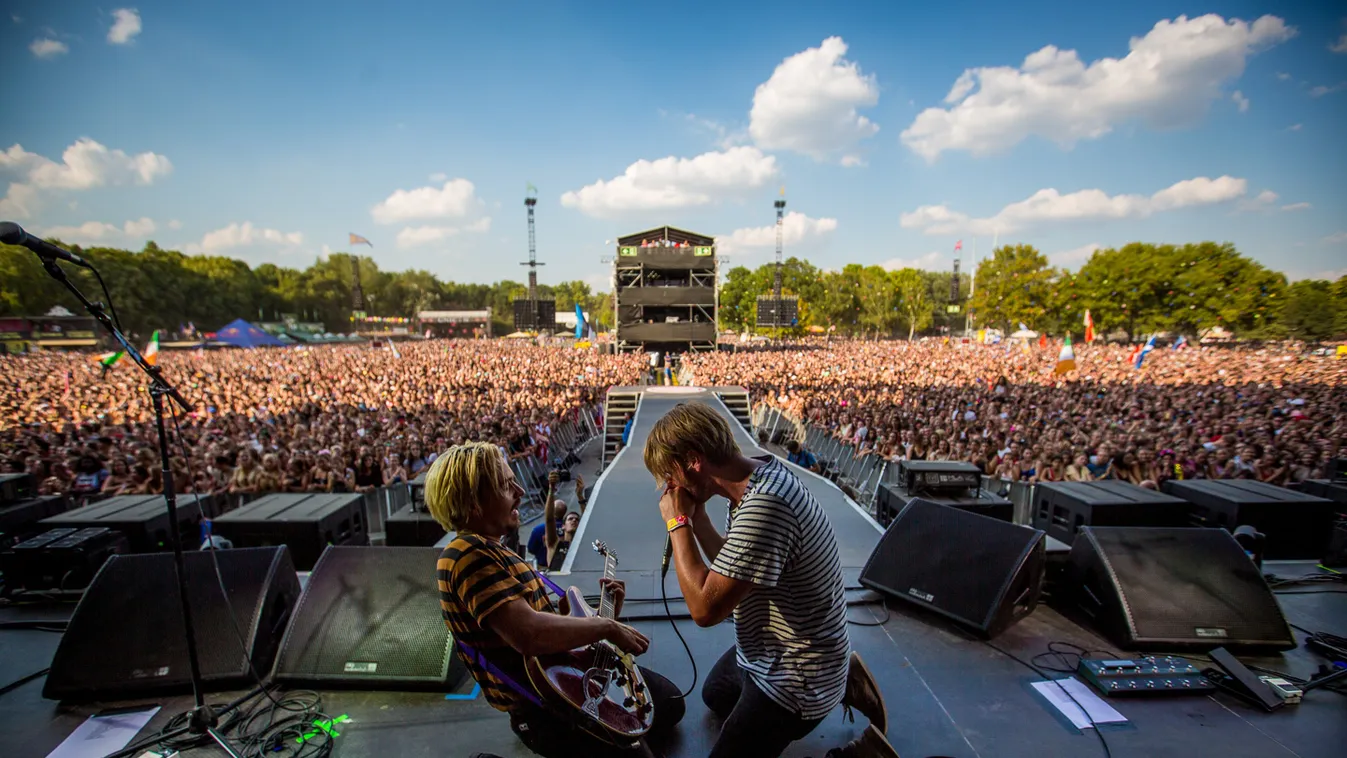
<point>155,288</point>
<point>1138,288</point>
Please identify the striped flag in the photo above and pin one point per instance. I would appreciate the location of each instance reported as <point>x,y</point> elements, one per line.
<point>108,360</point>
<point>393,349</point>
<point>1180,343</point>
<point>356,239</point>
<point>1141,356</point>
<point>1089,326</point>
<point>151,354</point>
<point>1066,361</point>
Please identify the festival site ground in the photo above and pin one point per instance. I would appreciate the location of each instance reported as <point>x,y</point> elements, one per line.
<point>346,418</point>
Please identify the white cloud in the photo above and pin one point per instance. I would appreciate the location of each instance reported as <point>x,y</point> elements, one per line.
<point>1334,239</point>
<point>455,199</point>
<point>1340,46</point>
<point>1263,201</point>
<point>174,224</point>
<point>931,261</point>
<point>84,165</point>
<point>1240,101</point>
<point>439,176</point>
<point>809,103</point>
<point>795,228</point>
<point>125,26</point>
<point>1295,127</point>
<point>1297,207</point>
<point>91,232</point>
<point>675,182</point>
<point>1075,254</point>
<point>1049,206</point>
<point>1322,90</point>
<point>48,48</point>
<point>416,236</point>
<point>1168,79</point>
<point>243,235</point>
<point>1283,76</point>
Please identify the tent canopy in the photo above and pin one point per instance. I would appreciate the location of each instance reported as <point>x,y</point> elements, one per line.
<point>240,333</point>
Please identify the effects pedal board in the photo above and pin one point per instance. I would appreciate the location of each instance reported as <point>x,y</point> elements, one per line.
<point>1151,675</point>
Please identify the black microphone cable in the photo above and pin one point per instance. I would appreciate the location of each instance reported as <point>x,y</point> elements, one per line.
<point>664,595</point>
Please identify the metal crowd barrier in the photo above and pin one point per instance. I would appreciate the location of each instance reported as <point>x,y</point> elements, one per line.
<point>568,437</point>
<point>858,474</point>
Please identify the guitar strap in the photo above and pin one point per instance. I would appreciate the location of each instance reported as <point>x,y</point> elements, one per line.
<point>491,668</point>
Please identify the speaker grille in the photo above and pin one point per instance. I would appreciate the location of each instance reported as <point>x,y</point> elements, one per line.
<point>974,569</point>
<point>126,635</point>
<point>1179,586</point>
<point>370,617</point>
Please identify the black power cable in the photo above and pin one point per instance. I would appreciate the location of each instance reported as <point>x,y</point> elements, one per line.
<point>1102,742</point>
<point>664,594</point>
<point>17,683</point>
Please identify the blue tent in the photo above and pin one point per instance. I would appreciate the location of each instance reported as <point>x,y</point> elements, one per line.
<point>240,333</point>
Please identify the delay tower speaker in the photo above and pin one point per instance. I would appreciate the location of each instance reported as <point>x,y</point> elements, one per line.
<point>1153,588</point>
<point>982,572</point>
<point>126,639</point>
<point>370,618</point>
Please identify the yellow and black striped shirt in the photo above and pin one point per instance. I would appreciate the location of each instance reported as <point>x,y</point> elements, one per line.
<point>476,576</point>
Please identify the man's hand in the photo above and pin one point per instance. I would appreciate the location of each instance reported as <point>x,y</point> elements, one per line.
<point>553,478</point>
<point>619,590</point>
<point>677,502</point>
<point>628,640</point>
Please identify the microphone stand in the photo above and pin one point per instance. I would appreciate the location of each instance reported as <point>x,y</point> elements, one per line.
<point>201,720</point>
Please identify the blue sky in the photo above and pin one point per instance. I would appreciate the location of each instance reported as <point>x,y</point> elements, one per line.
<point>268,131</point>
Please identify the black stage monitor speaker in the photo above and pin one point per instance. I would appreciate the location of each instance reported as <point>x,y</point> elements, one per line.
<point>126,636</point>
<point>370,618</point>
<point>979,571</point>
<point>1151,588</point>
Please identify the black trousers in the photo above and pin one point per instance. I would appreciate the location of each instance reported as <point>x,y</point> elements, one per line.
<point>753,725</point>
<point>554,735</point>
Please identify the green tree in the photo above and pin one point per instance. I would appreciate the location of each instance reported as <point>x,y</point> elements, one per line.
<point>1308,313</point>
<point>912,291</point>
<point>1014,285</point>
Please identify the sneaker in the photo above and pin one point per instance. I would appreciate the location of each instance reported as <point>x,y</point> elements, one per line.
<point>863,695</point>
<point>871,744</point>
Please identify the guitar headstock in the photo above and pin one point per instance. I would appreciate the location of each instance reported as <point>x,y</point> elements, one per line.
<point>602,548</point>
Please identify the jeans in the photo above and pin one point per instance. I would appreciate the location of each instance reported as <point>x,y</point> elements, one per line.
<point>556,735</point>
<point>753,726</point>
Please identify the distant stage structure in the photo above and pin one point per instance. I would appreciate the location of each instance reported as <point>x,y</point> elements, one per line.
<point>665,291</point>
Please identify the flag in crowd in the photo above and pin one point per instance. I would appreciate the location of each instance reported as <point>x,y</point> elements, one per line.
<point>393,348</point>
<point>1042,341</point>
<point>1089,326</point>
<point>958,246</point>
<point>152,349</point>
<point>356,239</point>
<point>1180,343</point>
<point>579,322</point>
<point>1066,360</point>
<point>108,360</point>
<point>1141,355</point>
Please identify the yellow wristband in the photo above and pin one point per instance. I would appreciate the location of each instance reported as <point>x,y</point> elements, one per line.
<point>676,522</point>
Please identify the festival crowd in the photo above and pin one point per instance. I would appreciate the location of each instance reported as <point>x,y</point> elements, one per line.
<point>323,419</point>
<point>1277,415</point>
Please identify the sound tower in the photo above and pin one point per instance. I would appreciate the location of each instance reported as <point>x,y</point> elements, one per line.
<point>370,618</point>
<point>981,572</point>
<point>126,639</point>
<point>1153,588</point>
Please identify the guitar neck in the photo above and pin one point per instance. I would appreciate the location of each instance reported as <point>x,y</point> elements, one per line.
<point>606,606</point>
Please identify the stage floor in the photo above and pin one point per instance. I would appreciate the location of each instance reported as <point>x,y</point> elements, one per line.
<point>947,694</point>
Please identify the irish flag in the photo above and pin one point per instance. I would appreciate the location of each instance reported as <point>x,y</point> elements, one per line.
<point>1066,361</point>
<point>1089,326</point>
<point>107,360</point>
<point>152,350</point>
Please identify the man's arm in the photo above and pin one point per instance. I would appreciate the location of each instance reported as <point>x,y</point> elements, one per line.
<point>549,515</point>
<point>710,596</point>
<point>533,632</point>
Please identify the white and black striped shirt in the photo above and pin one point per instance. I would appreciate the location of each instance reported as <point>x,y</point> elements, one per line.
<point>790,631</point>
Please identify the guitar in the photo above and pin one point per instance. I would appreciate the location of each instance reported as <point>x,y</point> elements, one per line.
<point>600,681</point>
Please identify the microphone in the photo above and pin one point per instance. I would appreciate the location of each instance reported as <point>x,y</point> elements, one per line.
<point>13,234</point>
<point>668,553</point>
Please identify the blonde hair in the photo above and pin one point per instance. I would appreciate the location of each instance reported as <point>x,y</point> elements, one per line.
<point>690,428</point>
<point>459,479</point>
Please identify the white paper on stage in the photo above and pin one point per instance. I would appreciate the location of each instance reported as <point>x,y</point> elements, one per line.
<point>1098,711</point>
<point>103,735</point>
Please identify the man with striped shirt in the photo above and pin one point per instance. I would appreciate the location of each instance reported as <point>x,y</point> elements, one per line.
<point>777,570</point>
<point>499,611</point>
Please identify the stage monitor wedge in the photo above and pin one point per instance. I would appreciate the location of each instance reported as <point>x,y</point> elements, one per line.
<point>370,619</point>
<point>1162,588</point>
<point>984,573</point>
<point>126,639</point>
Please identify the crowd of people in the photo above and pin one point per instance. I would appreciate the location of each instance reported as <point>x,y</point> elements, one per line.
<point>334,419</point>
<point>1277,415</point>
<point>354,418</point>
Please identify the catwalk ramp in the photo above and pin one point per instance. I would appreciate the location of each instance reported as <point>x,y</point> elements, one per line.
<point>624,507</point>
